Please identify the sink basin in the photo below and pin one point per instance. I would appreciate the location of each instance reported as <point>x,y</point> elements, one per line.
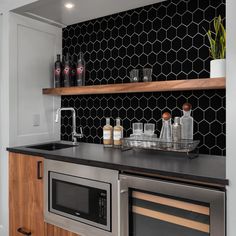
<point>51,146</point>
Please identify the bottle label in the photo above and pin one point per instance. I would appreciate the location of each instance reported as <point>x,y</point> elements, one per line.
<point>66,70</point>
<point>73,72</point>
<point>117,135</point>
<point>57,71</point>
<point>80,70</point>
<point>106,134</point>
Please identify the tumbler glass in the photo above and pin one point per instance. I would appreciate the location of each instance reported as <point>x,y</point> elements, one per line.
<point>134,75</point>
<point>147,75</point>
<point>149,129</point>
<point>137,128</point>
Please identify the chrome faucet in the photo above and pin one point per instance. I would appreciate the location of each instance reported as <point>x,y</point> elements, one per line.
<point>75,135</point>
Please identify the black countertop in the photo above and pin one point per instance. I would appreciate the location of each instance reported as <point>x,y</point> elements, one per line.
<point>205,169</point>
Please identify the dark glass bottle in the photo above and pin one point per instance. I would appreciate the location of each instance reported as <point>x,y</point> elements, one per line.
<point>73,74</point>
<point>67,71</point>
<point>58,73</point>
<point>80,71</point>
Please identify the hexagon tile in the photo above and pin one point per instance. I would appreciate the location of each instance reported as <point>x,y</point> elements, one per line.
<point>170,38</point>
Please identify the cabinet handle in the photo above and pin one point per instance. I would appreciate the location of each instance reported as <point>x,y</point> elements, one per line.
<point>39,164</point>
<point>22,231</point>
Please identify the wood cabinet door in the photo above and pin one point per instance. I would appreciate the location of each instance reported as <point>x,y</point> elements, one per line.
<point>26,195</point>
<point>52,230</point>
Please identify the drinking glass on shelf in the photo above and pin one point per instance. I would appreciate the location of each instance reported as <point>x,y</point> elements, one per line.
<point>147,74</point>
<point>134,75</point>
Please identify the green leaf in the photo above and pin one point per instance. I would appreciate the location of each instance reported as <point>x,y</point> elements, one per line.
<point>217,39</point>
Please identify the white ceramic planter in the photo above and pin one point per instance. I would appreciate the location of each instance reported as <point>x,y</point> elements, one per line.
<point>218,68</point>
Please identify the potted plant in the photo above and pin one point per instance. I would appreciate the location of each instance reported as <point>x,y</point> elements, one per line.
<point>217,42</point>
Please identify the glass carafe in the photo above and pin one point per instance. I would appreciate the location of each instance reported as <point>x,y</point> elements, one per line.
<point>187,122</point>
<point>166,131</point>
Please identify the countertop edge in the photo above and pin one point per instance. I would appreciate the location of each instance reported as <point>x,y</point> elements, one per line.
<point>124,168</point>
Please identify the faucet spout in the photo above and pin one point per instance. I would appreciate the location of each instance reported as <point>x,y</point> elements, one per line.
<point>74,133</point>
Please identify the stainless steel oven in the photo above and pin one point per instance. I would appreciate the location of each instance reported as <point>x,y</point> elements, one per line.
<point>81,199</point>
<point>156,207</point>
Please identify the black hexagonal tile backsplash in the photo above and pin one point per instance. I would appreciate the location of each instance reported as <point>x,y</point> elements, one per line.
<point>169,37</point>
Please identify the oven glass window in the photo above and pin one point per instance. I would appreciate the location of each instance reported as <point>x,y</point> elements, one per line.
<point>72,196</point>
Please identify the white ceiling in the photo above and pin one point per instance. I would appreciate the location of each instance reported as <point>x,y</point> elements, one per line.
<point>54,11</point>
<point>7,5</point>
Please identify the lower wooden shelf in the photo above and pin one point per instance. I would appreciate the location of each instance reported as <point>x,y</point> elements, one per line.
<point>155,86</point>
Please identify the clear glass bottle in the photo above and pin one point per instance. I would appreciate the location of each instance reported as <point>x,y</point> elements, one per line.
<point>107,134</point>
<point>176,133</point>
<point>118,134</point>
<point>187,122</point>
<point>166,131</point>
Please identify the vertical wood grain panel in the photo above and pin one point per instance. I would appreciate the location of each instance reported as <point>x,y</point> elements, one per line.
<point>52,230</point>
<point>25,195</point>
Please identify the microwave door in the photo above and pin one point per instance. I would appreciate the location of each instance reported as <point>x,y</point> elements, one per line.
<point>80,199</point>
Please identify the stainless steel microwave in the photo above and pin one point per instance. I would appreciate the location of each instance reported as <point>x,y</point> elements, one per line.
<point>81,199</point>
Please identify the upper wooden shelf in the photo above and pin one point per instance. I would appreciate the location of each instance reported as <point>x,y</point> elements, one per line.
<point>155,86</point>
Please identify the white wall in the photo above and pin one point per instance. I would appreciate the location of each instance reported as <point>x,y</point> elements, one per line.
<point>1,30</point>
<point>4,125</point>
<point>231,116</point>
<point>28,51</point>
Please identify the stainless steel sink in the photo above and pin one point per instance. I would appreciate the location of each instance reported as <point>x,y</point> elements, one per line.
<point>51,146</point>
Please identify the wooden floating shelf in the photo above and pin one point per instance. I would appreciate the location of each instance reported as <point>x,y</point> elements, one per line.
<point>155,86</point>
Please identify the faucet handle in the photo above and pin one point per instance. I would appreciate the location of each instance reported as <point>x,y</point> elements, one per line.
<point>80,135</point>
<point>57,117</point>
<point>81,130</point>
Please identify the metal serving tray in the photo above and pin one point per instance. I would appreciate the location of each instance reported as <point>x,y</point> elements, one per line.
<point>140,142</point>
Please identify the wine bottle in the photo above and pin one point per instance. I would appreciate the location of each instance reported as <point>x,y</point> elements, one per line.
<point>73,74</point>
<point>58,73</point>
<point>80,71</point>
<point>67,71</point>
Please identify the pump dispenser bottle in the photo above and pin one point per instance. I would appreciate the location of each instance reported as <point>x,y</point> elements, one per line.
<point>118,134</point>
<point>107,134</point>
<point>176,133</point>
<point>187,122</point>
